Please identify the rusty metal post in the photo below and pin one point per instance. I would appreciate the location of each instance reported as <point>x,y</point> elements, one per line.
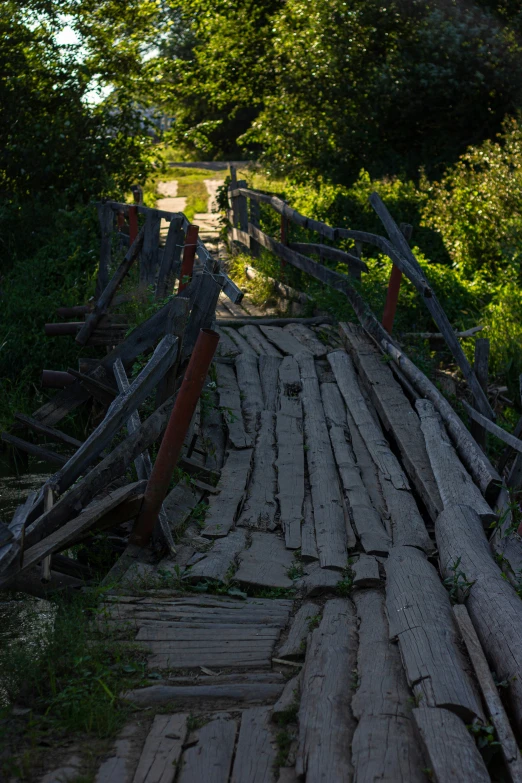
<point>174,436</point>
<point>55,379</point>
<point>394,286</point>
<point>189,255</point>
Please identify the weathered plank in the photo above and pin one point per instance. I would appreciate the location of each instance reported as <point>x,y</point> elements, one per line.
<point>260,507</point>
<point>169,655</point>
<point>266,562</point>
<point>162,749</point>
<point>180,502</point>
<point>308,339</point>
<point>239,340</point>
<point>326,724</point>
<point>367,521</point>
<point>407,526</point>
<point>420,617</point>
<point>289,697</point>
<point>452,754</point>
<point>250,391</point>
<point>489,689</point>
<point>285,341</point>
<point>269,374</point>
<point>149,255</point>
<point>290,460</point>
<point>226,346</point>
<point>223,508</point>
<point>493,605</point>
<point>384,745</point>
<point>49,432</point>
<point>257,340</point>
<point>330,524</point>
<point>212,433</point>
<point>124,755</point>
<point>171,260</point>
<point>366,572</point>
<point>398,417</point>
<point>142,463</point>
<point>230,403</point>
<point>16,528</point>
<point>34,450</point>
<point>210,759</point>
<point>308,543</point>
<point>203,311</point>
<point>454,482</point>
<point>293,646</point>
<point>218,560</point>
<point>208,633</point>
<point>256,750</point>
<point>249,692</point>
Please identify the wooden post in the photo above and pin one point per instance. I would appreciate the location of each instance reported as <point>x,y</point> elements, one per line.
<point>284,241</point>
<point>394,286</point>
<point>189,255</point>
<point>233,199</point>
<point>255,216</point>
<point>133,224</point>
<point>46,562</point>
<point>352,271</point>
<point>481,371</point>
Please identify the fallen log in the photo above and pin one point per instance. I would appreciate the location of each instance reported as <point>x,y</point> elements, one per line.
<point>493,605</point>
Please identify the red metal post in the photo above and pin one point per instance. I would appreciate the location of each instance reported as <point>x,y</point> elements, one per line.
<point>189,255</point>
<point>133,224</point>
<point>174,436</point>
<point>392,297</point>
<point>54,379</point>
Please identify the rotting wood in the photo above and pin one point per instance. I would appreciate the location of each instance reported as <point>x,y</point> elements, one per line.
<point>162,749</point>
<point>250,391</point>
<point>490,426</point>
<point>238,339</point>
<point>176,325</point>
<point>366,572</point>
<point>285,341</point>
<point>99,390</point>
<point>150,252</point>
<point>266,563</point>
<point>210,759</point>
<point>226,346</point>
<point>256,750</point>
<point>269,373</point>
<point>34,450</point>
<point>505,736</point>
<point>451,752</point>
<point>106,297</point>
<point>397,415</point>
<point>290,459</point>
<point>454,482</point>
<point>384,745</point>
<point>308,542</point>
<point>305,336</point>
<point>255,337</point>
<point>326,724</point>
<point>216,563</point>
<point>260,506</point>
<point>469,452</point>
<point>180,503</point>
<point>230,403</point>
<point>171,261</point>
<point>289,698</point>
<point>421,619</point>
<point>212,434</point>
<point>223,508</point>
<point>492,602</point>
<point>367,521</point>
<point>49,432</point>
<point>294,644</point>
<point>206,633</point>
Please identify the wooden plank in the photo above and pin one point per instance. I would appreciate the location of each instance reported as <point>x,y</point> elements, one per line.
<point>454,482</point>
<point>294,644</point>
<point>49,432</point>
<point>239,340</point>
<point>258,341</point>
<point>269,373</point>
<point>162,750</point>
<point>216,563</point>
<point>398,416</point>
<point>451,752</point>
<point>226,346</point>
<point>100,391</point>
<point>176,324</point>
<point>326,723</point>
<point>308,339</point>
<point>203,311</point>
<point>250,391</point>
<point>260,506</point>
<point>230,403</point>
<point>266,562</point>
<point>420,617</point>
<point>308,542</point>
<point>74,530</point>
<point>514,443</point>
<point>118,413</point>
<point>470,452</point>
<point>333,253</point>
<point>285,341</point>
<point>367,521</point>
<point>384,745</point>
<point>15,546</point>
<point>493,604</point>
<point>171,261</point>
<point>210,759</point>
<point>249,692</point>
<point>366,572</point>
<point>34,450</point>
<point>330,524</point>
<point>256,750</point>
<point>149,255</point>
<point>480,367</point>
<point>289,697</point>
<point>508,743</point>
<point>180,502</point>
<point>104,301</point>
<point>211,633</point>
<point>290,457</point>
<point>259,321</point>
<point>223,508</point>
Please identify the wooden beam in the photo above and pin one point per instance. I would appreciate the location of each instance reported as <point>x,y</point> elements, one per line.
<point>34,450</point>
<point>493,428</point>
<point>50,432</point>
<point>332,253</point>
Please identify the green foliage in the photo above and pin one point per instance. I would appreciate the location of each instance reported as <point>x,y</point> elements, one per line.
<point>458,584</point>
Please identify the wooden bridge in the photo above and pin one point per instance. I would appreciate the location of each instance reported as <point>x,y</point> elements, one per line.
<point>335,610</point>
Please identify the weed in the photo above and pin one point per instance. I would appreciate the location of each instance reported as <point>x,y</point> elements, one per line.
<point>195,722</point>
<point>486,739</point>
<point>458,585</point>
<point>199,513</point>
<point>313,622</point>
<point>284,742</point>
<point>296,571</point>
<point>344,585</point>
